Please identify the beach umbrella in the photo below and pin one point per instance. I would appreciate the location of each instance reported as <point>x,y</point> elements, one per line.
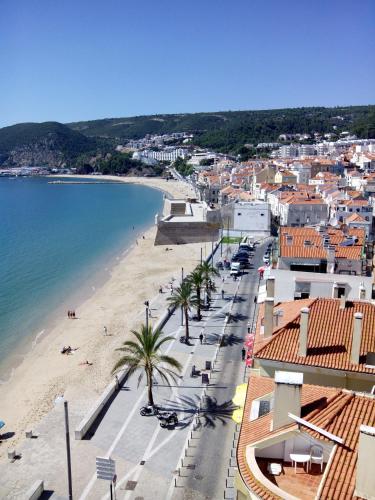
<point>240,395</point>
<point>2,423</point>
<point>249,344</point>
<point>261,269</point>
<point>249,362</point>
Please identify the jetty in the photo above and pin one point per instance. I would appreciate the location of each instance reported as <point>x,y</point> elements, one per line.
<point>82,182</point>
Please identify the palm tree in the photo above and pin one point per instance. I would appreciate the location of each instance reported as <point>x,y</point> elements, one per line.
<point>208,272</point>
<point>184,297</point>
<point>196,278</point>
<point>144,354</point>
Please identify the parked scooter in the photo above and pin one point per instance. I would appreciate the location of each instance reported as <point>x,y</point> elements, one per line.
<point>167,419</point>
<point>148,411</point>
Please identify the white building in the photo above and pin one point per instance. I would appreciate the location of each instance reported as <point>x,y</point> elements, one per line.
<point>302,171</point>
<point>166,155</point>
<point>290,151</point>
<point>251,217</point>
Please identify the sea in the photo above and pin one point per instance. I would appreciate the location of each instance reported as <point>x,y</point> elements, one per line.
<point>58,242</point>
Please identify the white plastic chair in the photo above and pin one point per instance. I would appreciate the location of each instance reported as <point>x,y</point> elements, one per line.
<point>316,455</point>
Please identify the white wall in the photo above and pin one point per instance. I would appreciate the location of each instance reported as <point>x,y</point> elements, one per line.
<point>252,216</point>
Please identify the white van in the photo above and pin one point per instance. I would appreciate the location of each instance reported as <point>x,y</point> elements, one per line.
<point>235,268</point>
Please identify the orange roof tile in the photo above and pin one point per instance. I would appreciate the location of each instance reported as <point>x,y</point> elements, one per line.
<point>329,337</point>
<point>336,411</point>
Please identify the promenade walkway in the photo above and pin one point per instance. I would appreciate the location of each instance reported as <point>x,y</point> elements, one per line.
<point>193,461</point>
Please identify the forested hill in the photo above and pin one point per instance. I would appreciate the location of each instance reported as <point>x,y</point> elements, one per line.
<point>227,131</point>
<point>48,143</point>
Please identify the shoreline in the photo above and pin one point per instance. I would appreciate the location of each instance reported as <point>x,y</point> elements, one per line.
<point>114,296</point>
<point>87,286</point>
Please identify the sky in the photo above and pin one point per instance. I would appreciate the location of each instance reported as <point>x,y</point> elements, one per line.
<point>73,60</point>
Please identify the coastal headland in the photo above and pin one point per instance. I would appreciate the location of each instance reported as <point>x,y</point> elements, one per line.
<point>136,275</point>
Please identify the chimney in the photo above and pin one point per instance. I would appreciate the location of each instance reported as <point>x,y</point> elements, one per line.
<point>335,291</point>
<point>357,335</point>
<point>269,303</point>
<point>362,291</point>
<point>303,331</point>
<point>365,477</point>
<point>331,254</point>
<point>270,286</point>
<point>342,301</point>
<point>287,397</point>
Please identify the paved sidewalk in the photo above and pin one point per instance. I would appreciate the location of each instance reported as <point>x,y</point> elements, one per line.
<point>148,458</point>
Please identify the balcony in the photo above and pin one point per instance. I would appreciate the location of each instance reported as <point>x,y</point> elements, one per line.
<point>300,484</point>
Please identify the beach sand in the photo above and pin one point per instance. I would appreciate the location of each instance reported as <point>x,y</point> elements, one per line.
<point>45,373</point>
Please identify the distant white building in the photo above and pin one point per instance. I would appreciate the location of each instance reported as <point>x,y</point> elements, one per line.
<point>251,217</point>
<point>166,155</point>
<point>302,171</point>
<point>289,151</point>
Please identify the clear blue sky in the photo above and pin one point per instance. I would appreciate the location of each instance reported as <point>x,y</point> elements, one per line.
<point>70,60</point>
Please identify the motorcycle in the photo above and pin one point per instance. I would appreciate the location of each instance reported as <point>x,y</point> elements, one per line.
<point>167,419</point>
<point>148,411</point>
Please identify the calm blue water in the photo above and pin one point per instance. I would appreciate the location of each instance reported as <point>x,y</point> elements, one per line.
<point>53,240</point>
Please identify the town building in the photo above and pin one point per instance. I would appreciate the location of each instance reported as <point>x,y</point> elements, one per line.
<point>331,341</point>
<point>296,285</point>
<point>323,250</point>
<point>250,217</point>
<point>286,418</point>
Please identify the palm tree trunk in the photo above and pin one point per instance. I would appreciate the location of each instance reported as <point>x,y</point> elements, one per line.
<point>149,387</point>
<point>186,323</point>
<point>199,303</point>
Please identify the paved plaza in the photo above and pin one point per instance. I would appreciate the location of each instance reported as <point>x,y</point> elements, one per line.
<point>195,460</point>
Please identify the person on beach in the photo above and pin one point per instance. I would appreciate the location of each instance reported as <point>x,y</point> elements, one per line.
<point>222,293</point>
<point>160,289</point>
<point>243,352</point>
<point>201,337</point>
<point>171,288</point>
<point>105,330</point>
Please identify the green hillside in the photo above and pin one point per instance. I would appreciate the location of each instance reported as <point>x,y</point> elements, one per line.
<point>62,137</point>
<point>228,131</point>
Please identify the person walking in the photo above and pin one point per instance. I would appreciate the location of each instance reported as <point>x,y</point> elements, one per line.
<point>243,354</point>
<point>105,331</point>
<point>201,338</point>
<point>222,293</point>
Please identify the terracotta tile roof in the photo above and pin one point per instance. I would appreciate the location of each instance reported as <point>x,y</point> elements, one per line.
<point>355,218</point>
<point>298,249</point>
<point>355,202</point>
<point>337,411</point>
<point>330,335</point>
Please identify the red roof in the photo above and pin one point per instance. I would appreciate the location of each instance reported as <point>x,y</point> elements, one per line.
<point>330,334</point>
<point>336,411</point>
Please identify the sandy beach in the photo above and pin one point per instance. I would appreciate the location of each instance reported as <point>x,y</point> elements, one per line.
<point>45,373</point>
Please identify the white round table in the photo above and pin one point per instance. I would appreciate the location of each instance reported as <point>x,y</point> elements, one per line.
<point>300,458</point>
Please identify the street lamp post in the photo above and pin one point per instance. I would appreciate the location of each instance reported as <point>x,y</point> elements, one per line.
<point>67,438</point>
<point>147,304</point>
<point>182,309</point>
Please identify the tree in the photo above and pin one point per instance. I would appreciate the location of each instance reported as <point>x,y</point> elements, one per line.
<point>144,354</point>
<point>197,281</point>
<point>208,272</point>
<point>184,297</point>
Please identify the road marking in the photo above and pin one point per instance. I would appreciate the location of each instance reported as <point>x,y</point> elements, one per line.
<point>114,443</point>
